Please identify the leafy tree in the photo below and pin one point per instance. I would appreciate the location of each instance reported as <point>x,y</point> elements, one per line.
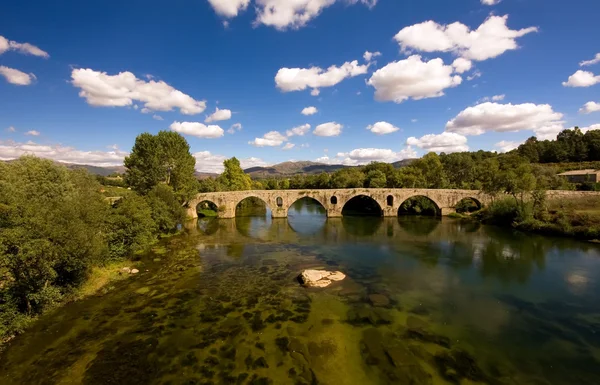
<point>51,230</point>
<point>347,178</point>
<point>433,170</point>
<point>208,185</point>
<point>167,212</point>
<point>323,181</point>
<point>376,179</point>
<point>233,177</point>
<point>131,227</point>
<point>162,158</point>
<point>409,177</point>
<point>530,150</point>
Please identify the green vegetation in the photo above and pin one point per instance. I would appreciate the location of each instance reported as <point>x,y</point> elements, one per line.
<point>569,146</point>
<point>58,229</point>
<point>162,158</point>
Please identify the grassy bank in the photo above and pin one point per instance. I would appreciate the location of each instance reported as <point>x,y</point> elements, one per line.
<point>100,281</point>
<point>574,218</point>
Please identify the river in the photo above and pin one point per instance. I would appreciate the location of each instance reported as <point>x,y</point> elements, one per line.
<point>425,301</point>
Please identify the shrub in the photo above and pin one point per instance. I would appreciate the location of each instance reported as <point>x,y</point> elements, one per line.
<point>131,227</point>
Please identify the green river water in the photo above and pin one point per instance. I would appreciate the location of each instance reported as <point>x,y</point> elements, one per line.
<point>425,301</point>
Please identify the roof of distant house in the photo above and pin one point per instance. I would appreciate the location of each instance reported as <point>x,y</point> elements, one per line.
<point>580,172</point>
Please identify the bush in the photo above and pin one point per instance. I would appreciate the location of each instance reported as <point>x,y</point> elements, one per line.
<point>167,212</point>
<point>506,211</point>
<point>131,227</point>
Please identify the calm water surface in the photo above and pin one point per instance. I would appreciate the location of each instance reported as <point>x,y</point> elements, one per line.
<point>425,302</point>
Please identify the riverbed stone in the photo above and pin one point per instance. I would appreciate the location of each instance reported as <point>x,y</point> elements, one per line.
<point>379,300</point>
<point>393,358</point>
<point>320,278</point>
<point>134,271</point>
<point>365,315</point>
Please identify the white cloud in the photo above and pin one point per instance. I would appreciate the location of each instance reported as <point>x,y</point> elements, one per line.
<point>589,107</point>
<point>197,129</point>
<point>11,150</point>
<point>218,115</point>
<point>11,129</point>
<point>33,133</point>
<point>294,14</point>
<point>309,111</point>
<point>315,92</point>
<point>445,142</point>
<point>490,2</point>
<point>368,56</point>
<point>491,39</point>
<point>495,98</point>
<point>595,60</point>
<point>101,89</point>
<point>590,128</point>
<point>234,127</point>
<point>414,120</point>
<point>462,65</point>
<point>288,146</point>
<point>382,128</point>
<point>144,110</point>
<point>475,75</point>
<point>582,79</point>
<point>299,79</point>
<point>229,8</point>
<point>506,146</point>
<point>299,131</point>
<point>213,163</point>
<point>328,129</point>
<point>14,76</point>
<point>497,117</point>
<point>24,48</point>
<point>413,78</point>
<point>157,117</point>
<point>270,139</point>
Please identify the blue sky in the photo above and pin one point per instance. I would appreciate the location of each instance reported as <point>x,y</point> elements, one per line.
<point>79,80</point>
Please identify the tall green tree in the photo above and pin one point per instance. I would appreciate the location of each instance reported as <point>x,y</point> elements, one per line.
<point>52,224</point>
<point>162,158</point>
<point>376,179</point>
<point>432,169</point>
<point>233,177</point>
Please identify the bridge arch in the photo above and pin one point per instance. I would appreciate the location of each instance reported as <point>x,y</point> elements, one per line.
<point>206,208</point>
<point>468,204</point>
<point>362,204</point>
<point>245,197</point>
<point>314,197</point>
<point>419,205</point>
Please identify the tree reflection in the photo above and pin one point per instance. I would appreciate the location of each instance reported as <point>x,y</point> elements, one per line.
<point>361,226</point>
<point>418,226</point>
<point>307,216</point>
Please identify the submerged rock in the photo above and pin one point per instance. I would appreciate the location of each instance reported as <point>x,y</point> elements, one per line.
<point>369,316</point>
<point>458,365</point>
<point>393,358</point>
<point>379,300</point>
<point>320,278</point>
<point>134,271</point>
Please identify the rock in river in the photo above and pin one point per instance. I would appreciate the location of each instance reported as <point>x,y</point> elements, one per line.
<point>320,278</point>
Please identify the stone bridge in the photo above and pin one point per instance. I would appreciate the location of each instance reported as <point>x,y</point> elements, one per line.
<point>389,200</point>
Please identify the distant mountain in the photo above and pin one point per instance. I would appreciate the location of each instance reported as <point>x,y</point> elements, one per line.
<point>291,168</point>
<point>403,163</point>
<point>96,170</point>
